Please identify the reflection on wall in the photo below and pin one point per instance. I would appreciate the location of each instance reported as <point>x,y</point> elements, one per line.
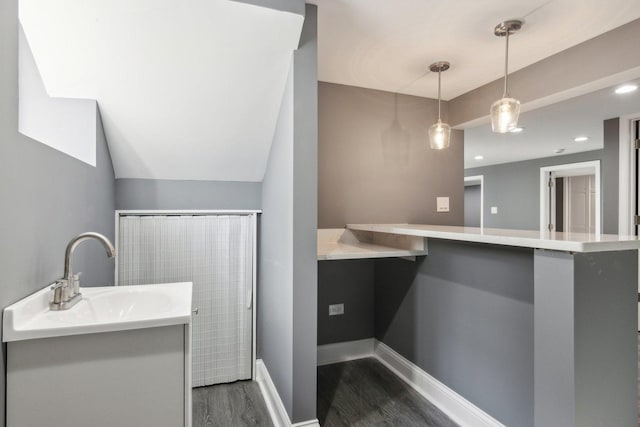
<point>472,206</point>
<point>514,187</point>
<point>395,141</point>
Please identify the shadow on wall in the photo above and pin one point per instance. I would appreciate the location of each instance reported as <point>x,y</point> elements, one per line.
<point>394,283</point>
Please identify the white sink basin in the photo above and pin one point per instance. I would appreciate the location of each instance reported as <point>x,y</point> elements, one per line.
<point>102,309</point>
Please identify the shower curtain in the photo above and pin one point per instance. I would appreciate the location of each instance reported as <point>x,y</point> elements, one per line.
<point>215,252</point>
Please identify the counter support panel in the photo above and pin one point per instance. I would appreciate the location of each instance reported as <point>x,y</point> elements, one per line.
<point>585,335</point>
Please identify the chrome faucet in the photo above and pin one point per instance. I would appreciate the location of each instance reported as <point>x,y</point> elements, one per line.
<point>66,291</point>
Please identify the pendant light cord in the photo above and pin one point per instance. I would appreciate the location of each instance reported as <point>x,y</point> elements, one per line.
<point>506,65</point>
<point>439,73</point>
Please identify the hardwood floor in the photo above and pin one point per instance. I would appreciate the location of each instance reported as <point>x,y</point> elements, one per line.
<point>357,393</point>
<point>236,404</point>
<point>365,393</point>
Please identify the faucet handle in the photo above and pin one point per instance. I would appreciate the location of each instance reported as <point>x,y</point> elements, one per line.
<point>59,287</point>
<point>57,284</point>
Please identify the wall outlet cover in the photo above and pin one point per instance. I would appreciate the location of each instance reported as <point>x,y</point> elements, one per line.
<point>494,210</point>
<point>442,204</point>
<point>335,309</point>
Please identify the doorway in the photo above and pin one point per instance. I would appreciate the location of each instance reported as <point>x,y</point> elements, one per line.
<point>474,201</point>
<point>570,198</point>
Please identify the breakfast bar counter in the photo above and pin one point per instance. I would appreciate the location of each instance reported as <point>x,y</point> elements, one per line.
<point>549,319</point>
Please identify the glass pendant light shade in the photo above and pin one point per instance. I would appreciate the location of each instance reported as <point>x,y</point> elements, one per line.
<point>439,135</point>
<point>505,111</point>
<point>504,115</point>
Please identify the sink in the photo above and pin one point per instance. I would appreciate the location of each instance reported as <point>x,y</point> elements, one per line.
<point>102,309</point>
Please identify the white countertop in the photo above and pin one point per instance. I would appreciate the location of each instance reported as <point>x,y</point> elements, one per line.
<point>102,309</point>
<point>569,242</point>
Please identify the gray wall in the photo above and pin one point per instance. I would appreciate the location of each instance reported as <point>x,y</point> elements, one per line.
<point>464,314</point>
<point>350,282</point>
<point>47,197</point>
<point>363,180</point>
<point>356,171</point>
<point>472,205</point>
<point>515,187</point>
<point>305,218</point>
<point>287,298</point>
<point>172,194</point>
<point>275,264</point>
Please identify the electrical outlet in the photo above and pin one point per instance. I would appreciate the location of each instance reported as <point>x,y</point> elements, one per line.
<point>494,210</point>
<point>336,309</point>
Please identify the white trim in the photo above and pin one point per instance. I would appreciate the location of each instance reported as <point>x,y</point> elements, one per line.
<point>626,175</point>
<point>277,411</point>
<point>309,423</point>
<point>276,408</point>
<point>456,407</point>
<point>254,297</point>
<point>481,179</point>
<point>544,188</point>
<point>188,364</point>
<point>448,401</point>
<point>345,351</point>
<point>188,211</point>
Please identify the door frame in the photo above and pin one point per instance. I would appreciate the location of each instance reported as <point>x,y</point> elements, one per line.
<point>626,175</point>
<point>567,170</point>
<point>477,180</point>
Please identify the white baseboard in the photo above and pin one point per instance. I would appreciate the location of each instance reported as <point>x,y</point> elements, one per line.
<point>277,411</point>
<point>276,408</point>
<point>310,423</point>
<point>448,401</point>
<point>345,351</point>
<point>459,409</point>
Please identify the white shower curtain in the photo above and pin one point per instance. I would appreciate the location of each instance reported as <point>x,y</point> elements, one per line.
<point>215,253</point>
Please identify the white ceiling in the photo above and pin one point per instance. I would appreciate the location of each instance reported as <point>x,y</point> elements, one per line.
<point>387,45</point>
<point>551,128</point>
<point>187,89</point>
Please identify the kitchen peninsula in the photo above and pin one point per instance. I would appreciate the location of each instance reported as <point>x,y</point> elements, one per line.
<point>570,355</point>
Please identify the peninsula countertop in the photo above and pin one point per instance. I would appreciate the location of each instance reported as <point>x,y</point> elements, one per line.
<point>558,241</point>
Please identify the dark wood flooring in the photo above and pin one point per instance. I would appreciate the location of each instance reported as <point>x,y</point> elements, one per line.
<point>236,404</point>
<point>365,393</point>
<point>357,393</point>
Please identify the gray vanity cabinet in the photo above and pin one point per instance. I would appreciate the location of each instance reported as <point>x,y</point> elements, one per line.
<point>128,378</point>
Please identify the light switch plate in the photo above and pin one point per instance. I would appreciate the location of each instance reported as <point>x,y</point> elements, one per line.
<point>494,210</point>
<point>442,204</point>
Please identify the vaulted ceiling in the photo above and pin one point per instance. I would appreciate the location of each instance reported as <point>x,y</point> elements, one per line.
<point>186,89</point>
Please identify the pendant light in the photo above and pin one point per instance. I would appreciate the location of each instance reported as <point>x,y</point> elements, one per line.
<point>439,133</point>
<point>505,111</point>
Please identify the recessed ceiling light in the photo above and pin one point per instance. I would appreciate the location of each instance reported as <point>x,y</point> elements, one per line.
<point>581,138</point>
<point>516,130</point>
<point>626,88</point>
<point>479,157</point>
<point>559,150</point>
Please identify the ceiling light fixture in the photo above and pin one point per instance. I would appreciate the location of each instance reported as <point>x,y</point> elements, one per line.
<point>439,133</point>
<point>505,111</point>
<point>581,138</point>
<point>516,130</point>
<point>626,88</point>
<point>479,157</point>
